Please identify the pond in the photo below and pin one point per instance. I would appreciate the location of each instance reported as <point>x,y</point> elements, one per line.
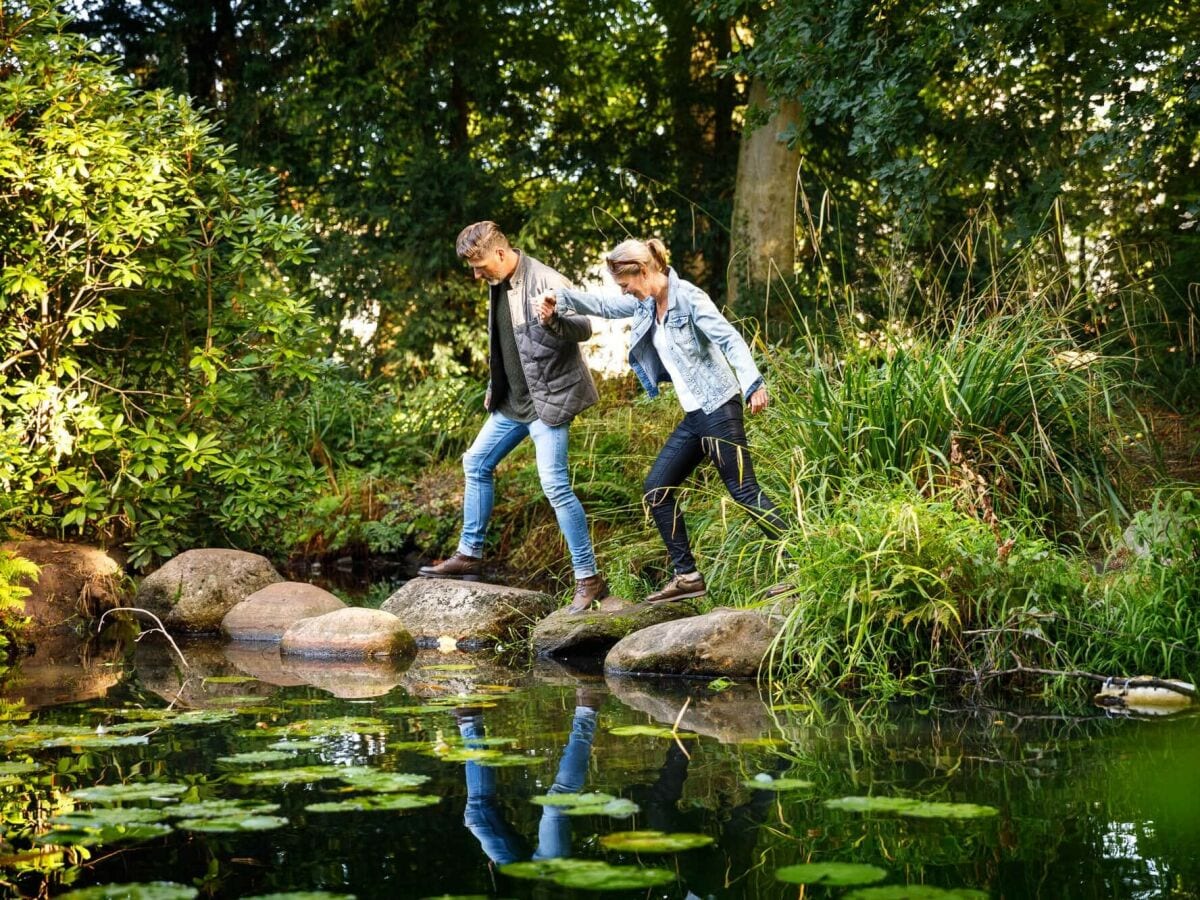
<point>248,775</point>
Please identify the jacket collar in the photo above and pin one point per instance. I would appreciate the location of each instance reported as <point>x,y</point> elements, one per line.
<point>522,269</point>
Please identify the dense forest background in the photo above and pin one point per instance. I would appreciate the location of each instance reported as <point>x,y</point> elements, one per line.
<point>962,239</point>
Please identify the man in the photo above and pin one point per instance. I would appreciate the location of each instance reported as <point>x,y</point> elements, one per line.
<point>537,383</point>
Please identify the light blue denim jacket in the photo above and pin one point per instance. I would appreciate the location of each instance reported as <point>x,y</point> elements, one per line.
<point>711,356</point>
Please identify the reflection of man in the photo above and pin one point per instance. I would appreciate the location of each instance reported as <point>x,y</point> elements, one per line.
<point>482,815</point>
<point>538,382</point>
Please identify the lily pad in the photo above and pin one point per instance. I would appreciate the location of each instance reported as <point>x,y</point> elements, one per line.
<point>15,772</point>
<point>904,806</point>
<point>256,757</point>
<point>138,713</point>
<point>95,741</point>
<point>106,817</point>
<point>589,874</point>
<point>566,799</point>
<point>106,834</point>
<point>203,717</point>
<point>462,754</point>
<point>233,824</point>
<point>658,731</point>
<point>831,874</point>
<point>384,782</point>
<point>303,895</point>
<point>761,783</point>
<point>337,726</point>
<point>483,741</point>
<point>374,803</point>
<point>19,768</point>
<point>915,892</point>
<point>295,775</point>
<point>509,760</point>
<point>227,679</point>
<point>146,890</point>
<point>296,746</point>
<point>219,809</point>
<point>122,793</point>
<point>654,841</point>
<point>416,710</point>
<point>591,804</point>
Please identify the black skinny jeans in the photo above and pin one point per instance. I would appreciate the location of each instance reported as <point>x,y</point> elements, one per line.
<point>721,437</point>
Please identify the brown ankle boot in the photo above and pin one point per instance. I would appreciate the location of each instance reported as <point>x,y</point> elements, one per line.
<point>457,566</point>
<point>681,587</point>
<point>588,593</point>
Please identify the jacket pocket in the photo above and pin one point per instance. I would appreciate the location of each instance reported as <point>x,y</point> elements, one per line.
<point>560,383</point>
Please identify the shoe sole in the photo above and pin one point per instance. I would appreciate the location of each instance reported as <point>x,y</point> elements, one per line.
<point>675,597</point>
<point>438,577</point>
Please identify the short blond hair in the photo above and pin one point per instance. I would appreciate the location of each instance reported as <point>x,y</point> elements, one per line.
<point>480,238</point>
<point>632,257</point>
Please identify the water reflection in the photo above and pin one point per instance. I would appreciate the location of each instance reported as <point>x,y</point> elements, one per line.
<point>1086,806</point>
<point>483,816</point>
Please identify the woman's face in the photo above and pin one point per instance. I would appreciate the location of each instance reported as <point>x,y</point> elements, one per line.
<point>636,284</point>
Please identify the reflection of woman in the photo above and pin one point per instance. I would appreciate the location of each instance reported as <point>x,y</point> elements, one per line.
<point>680,336</point>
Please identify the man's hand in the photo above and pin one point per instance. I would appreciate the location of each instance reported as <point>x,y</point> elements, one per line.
<point>759,400</point>
<point>548,309</point>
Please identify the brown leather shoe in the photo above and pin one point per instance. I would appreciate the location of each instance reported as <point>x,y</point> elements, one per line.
<point>681,587</point>
<point>588,593</point>
<point>457,566</point>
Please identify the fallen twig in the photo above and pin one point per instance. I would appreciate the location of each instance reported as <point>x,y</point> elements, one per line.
<point>675,727</point>
<point>158,622</point>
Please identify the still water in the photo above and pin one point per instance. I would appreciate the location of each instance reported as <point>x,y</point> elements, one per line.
<point>1036,802</point>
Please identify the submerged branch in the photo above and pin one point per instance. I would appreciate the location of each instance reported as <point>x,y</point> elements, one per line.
<point>1134,682</point>
<point>160,627</point>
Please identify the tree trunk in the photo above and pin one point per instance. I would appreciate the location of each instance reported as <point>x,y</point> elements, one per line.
<point>763,250</point>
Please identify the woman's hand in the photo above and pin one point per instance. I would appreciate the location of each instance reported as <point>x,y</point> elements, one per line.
<point>759,400</point>
<point>548,308</point>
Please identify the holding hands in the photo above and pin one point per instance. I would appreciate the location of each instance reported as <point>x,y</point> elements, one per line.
<point>548,307</point>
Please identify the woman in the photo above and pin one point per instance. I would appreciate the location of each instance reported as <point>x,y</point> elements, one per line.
<point>680,336</point>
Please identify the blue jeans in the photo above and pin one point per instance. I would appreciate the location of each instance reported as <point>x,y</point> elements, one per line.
<point>482,815</point>
<point>498,437</point>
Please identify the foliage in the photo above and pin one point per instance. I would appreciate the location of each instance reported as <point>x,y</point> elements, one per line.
<point>153,349</point>
<point>392,126</point>
<point>14,570</point>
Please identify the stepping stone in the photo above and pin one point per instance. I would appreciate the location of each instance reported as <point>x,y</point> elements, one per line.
<point>192,592</point>
<point>564,633</point>
<point>471,613</point>
<point>266,614</point>
<point>730,642</point>
<point>350,633</point>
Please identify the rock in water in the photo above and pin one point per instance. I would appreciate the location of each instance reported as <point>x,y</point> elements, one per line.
<point>473,613</point>
<point>266,614</point>
<point>192,592</point>
<point>565,634</point>
<point>724,641</point>
<point>351,633</point>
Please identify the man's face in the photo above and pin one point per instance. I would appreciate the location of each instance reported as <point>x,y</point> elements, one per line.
<point>493,266</point>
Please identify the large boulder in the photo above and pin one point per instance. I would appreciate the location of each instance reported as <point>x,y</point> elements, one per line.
<point>730,642</point>
<point>266,614</point>
<point>566,634</point>
<point>473,614</point>
<point>76,585</point>
<point>350,633</point>
<point>193,592</point>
